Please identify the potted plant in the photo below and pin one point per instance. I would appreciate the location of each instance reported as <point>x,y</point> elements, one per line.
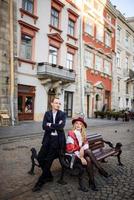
<point>108,114</point>
<point>54,65</point>
<point>102,114</point>
<point>116,115</point>
<point>60,67</point>
<point>96,113</point>
<point>71,70</point>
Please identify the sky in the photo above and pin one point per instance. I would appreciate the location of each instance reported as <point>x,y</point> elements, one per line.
<point>125,6</point>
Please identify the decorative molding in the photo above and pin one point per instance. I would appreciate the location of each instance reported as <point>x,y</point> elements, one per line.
<point>72,37</point>
<point>72,46</point>
<point>55,36</point>
<point>59,3</point>
<point>22,23</point>
<point>57,29</point>
<point>25,12</point>
<point>20,60</point>
<point>72,12</point>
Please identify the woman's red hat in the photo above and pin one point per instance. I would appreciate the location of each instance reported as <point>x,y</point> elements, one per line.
<point>80,119</point>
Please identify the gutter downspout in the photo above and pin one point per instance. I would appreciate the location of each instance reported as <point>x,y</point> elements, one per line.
<point>11,61</point>
<point>82,73</point>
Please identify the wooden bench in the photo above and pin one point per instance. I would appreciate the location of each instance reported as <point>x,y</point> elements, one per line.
<point>101,149</point>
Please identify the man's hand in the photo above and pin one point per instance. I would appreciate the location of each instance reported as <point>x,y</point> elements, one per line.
<point>48,124</point>
<point>60,122</point>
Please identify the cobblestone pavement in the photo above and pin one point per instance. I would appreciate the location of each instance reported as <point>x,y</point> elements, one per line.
<point>16,183</point>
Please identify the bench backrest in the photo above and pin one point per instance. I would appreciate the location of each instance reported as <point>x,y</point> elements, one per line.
<point>95,141</point>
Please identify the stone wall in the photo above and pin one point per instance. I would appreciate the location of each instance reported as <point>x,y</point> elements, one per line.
<point>5,56</point>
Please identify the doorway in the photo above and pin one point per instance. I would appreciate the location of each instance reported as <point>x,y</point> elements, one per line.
<point>68,103</point>
<point>26,96</point>
<point>51,95</point>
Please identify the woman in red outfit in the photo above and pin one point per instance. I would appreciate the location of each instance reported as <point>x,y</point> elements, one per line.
<point>77,143</point>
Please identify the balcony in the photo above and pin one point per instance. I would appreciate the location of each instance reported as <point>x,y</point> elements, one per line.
<point>55,73</point>
<point>129,75</point>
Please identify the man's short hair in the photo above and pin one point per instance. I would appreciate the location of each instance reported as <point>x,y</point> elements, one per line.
<point>54,99</point>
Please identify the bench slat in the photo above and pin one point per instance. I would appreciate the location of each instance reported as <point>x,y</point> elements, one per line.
<point>104,153</point>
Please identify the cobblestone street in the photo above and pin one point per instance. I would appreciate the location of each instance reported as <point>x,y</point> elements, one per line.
<point>16,183</point>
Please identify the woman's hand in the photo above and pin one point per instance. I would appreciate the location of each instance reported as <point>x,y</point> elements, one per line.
<point>83,160</point>
<point>81,152</point>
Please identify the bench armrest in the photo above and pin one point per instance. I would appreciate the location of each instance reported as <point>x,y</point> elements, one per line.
<point>108,143</point>
<point>116,147</point>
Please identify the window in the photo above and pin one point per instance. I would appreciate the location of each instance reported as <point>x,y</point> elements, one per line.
<point>118,59</point>
<point>98,8</point>
<point>98,63</point>
<point>119,99</point>
<point>99,33</point>
<point>20,99</point>
<point>108,39</point>
<point>28,104</point>
<point>133,44</point>
<point>68,103</point>
<point>127,100</point>
<point>107,67</point>
<point>127,38</point>
<point>96,5</point>
<point>118,85</point>
<point>54,18</point>
<point>88,59</point>
<point>89,27</point>
<point>127,88</point>
<point>108,17</point>
<point>126,63</point>
<point>133,64</point>
<point>71,27</point>
<point>53,55</point>
<point>118,33</point>
<point>28,5</point>
<point>26,47</point>
<point>70,58</point>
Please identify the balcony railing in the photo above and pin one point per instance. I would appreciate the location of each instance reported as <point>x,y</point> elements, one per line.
<point>55,72</point>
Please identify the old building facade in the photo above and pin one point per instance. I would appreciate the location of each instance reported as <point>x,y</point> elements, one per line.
<point>99,52</point>
<point>123,71</point>
<point>48,63</point>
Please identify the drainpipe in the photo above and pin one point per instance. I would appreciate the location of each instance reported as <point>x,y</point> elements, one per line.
<point>82,72</point>
<point>11,61</point>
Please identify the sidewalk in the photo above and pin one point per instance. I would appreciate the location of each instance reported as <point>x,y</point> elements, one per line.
<point>32,127</point>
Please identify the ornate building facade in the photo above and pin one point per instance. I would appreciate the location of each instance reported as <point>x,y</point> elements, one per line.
<point>48,60</point>
<point>123,71</point>
<point>99,28</point>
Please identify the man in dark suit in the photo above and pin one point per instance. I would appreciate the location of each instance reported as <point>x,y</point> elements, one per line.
<point>53,143</point>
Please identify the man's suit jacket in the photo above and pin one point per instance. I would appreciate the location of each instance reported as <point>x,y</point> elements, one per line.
<point>59,127</point>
